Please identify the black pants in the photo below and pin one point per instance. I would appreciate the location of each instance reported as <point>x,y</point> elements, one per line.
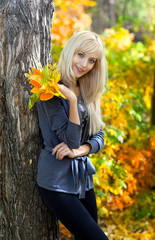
<point>79,216</point>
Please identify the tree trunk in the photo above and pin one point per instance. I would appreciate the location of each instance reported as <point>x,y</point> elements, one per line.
<point>24,36</point>
<point>104,15</point>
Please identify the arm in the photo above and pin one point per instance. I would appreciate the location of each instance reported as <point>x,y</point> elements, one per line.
<point>73,110</point>
<point>62,150</point>
<point>94,145</point>
<point>96,142</point>
<point>66,127</point>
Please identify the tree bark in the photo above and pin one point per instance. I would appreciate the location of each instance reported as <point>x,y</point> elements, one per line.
<point>25,36</point>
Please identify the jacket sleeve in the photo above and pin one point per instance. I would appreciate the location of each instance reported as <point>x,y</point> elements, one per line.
<point>58,120</point>
<point>96,141</point>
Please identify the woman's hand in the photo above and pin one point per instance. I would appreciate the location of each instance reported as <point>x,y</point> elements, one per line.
<point>73,110</point>
<point>62,150</point>
<point>69,94</point>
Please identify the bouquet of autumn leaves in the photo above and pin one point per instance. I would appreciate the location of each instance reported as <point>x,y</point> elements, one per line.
<point>45,84</point>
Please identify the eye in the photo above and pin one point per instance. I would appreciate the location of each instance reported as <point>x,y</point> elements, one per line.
<point>81,54</point>
<point>91,60</point>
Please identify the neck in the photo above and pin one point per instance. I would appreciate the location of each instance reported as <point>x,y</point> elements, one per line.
<point>77,90</point>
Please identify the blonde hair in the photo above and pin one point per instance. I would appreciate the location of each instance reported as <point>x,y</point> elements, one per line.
<point>92,84</point>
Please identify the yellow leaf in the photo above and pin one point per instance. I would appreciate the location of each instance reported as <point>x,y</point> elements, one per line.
<point>36,78</point>
<point>30,161</point>
<point>35,90</point>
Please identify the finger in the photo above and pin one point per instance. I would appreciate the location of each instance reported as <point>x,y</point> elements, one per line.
<point>69,94</point>
<point>55,149</point>
<point>62,153</point>
<point>60,149</point>
<point>62,89</point>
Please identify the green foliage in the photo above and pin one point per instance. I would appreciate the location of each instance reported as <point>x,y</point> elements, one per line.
<point>126,113</point>
<point>136,15</point>
<point>56,51</point>
<point>144,207</point>
<point>33,99</point>
<point>130,71</point>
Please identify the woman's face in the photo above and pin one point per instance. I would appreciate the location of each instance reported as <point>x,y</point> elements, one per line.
<point>82,63</point>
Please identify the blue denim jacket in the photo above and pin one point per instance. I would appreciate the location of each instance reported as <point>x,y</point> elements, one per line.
<point>73,176</point>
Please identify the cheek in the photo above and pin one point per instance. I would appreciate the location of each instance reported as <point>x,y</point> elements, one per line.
<point>75,59</point>
<point>90,67</point>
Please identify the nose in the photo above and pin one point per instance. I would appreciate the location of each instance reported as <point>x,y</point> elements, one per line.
<point>84,62</point>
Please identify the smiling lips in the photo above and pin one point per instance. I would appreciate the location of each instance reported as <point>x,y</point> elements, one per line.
<point>79,69</point>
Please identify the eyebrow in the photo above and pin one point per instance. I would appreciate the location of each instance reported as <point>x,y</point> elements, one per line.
<point>93,58</point>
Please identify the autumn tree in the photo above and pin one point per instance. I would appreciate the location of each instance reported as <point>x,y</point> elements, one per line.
<point>25,36</point>
<point>153,103</point>
<point>70,16</point>
<point>136,16</point>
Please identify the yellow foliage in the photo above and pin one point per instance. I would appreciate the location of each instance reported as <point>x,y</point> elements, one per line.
<point>151,48</point>
<point>120,39</point>
<point>69,17</point>
<point>152,142</point>
<point>148,93</point>
<point>64,231</point>
<point>139,175</point>
<point>117,111</point>
<point>139,165</point>
<point>45,84</point>
<point>130,230</point>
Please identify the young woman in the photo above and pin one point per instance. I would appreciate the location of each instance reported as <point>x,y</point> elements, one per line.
<point>71,130</point>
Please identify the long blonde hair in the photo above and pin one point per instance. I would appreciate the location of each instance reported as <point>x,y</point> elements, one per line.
<point>92,84</point>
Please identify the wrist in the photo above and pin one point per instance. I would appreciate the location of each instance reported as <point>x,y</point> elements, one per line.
<point>75,153</point>
<point>73,99</point>
<point>82,150</point>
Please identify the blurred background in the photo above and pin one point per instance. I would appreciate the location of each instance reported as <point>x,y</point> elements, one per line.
<point>125,168</point>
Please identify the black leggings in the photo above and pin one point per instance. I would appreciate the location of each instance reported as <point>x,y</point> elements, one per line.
<point>79,216</point>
